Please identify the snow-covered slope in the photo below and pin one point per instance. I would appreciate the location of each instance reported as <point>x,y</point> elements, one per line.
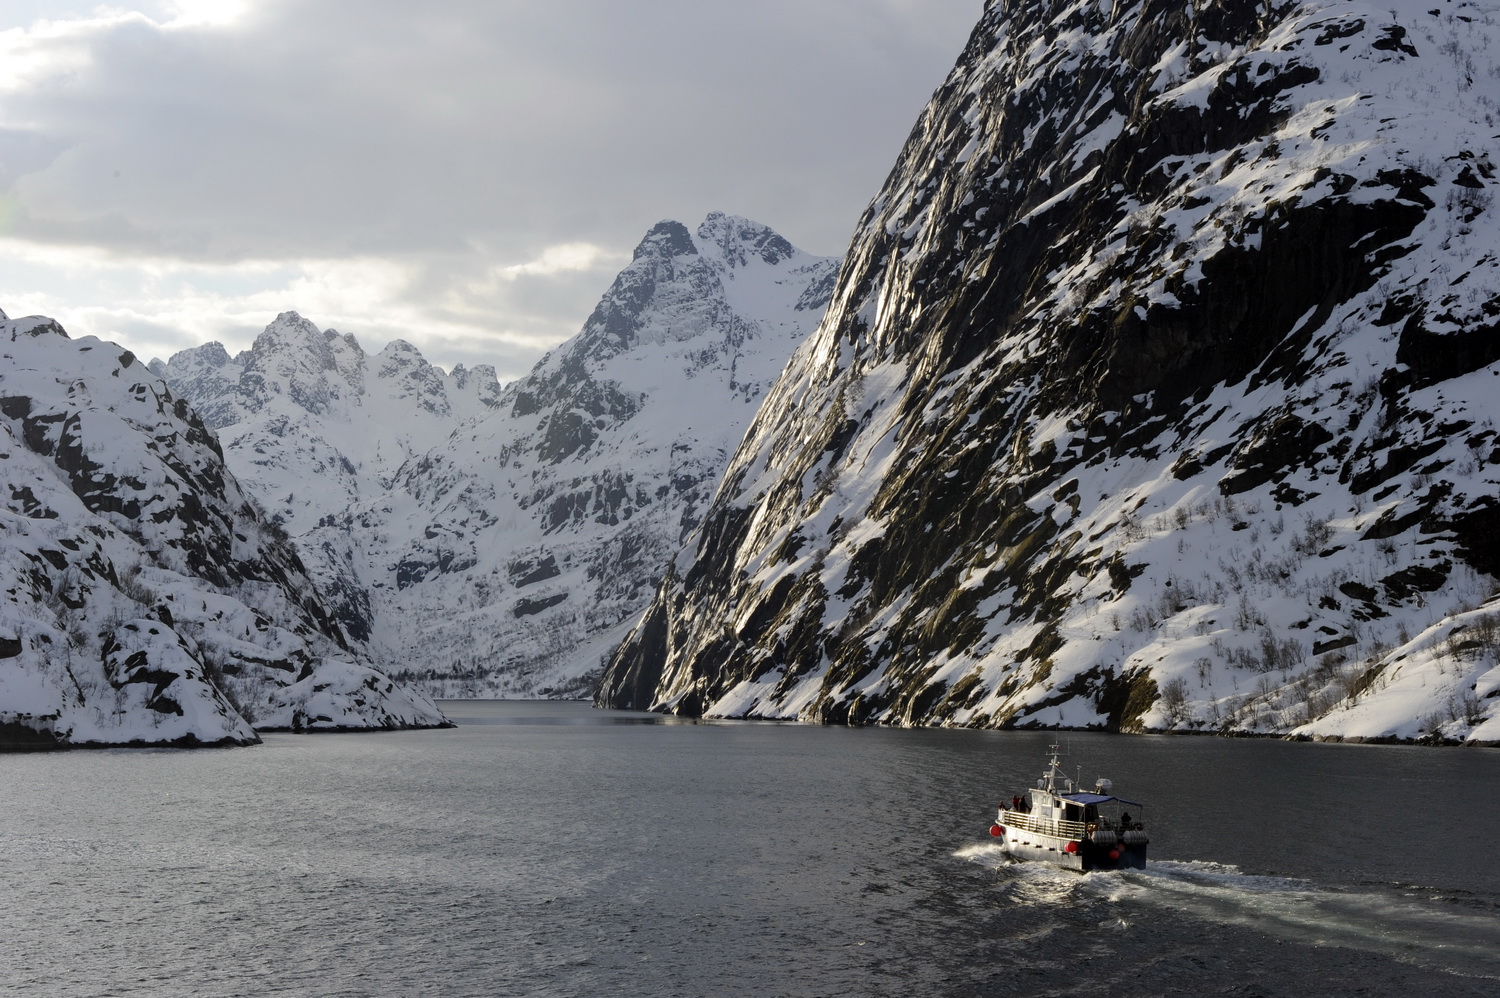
<point>508,559</point>
<point>146,601</point>
<point>313,424</point>
<point>1158,391</point>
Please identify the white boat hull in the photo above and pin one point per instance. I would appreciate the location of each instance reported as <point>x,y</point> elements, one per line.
<point>1085,853</point>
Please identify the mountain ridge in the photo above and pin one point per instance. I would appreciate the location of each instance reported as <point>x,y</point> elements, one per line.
<point>321,388</point>
<point>147,600</point>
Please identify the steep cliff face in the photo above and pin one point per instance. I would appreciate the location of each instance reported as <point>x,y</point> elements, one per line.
<point>509,559</point>
<point>145,599</point>
<point>1157,391</point>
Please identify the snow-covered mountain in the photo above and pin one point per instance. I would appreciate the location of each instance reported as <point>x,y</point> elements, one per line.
<point>1158,391</point>
<point>313,424</point>
<point>147,601</point>
<point>508,558</point>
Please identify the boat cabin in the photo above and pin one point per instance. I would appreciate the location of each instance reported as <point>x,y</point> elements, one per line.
<point>1100,810</point>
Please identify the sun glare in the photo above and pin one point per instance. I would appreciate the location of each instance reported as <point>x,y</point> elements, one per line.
<point>195,13</point>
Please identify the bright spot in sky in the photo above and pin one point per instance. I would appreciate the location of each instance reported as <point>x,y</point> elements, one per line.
<point>193,12</point>
<point>565,257</point>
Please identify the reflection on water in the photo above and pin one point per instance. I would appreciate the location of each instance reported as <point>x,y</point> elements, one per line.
<point>468,712</point>
<point>573,721</point>
<point>553,849</point>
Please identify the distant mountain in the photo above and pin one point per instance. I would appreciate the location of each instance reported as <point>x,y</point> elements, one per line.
<point>1158,392</point>
<point>313,423</point>
<point>147,601</point>
<point>508,554</point>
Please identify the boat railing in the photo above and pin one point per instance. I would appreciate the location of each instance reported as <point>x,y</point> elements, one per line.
<point>1044,826</point>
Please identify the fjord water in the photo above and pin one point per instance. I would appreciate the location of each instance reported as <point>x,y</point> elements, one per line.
<point>553,849</point>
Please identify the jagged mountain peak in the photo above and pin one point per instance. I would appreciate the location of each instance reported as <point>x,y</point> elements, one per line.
<point>316,422</point>
<point>739,240</point>
<point>678,286</point>
<point>401,348</point>
<point>462,376</point>
<point>399,360</point>
<point>208,375</point>
<point>290,334</point>
<point>292,360</point>
<point>402,372</point>
<point>211,354</point>
<point>664,240</point>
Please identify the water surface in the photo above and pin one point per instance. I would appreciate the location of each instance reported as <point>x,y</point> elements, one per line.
<point>552,849</point>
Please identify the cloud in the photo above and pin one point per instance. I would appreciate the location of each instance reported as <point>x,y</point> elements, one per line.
<point>561,259</point>
<point>484,159</point>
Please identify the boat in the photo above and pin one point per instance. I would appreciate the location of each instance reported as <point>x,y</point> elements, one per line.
<point>1057,822</point>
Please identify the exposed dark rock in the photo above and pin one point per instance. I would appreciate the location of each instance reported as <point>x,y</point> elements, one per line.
<point>526,606</point>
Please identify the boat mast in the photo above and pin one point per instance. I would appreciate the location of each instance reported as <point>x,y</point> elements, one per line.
<point>1054,777</point>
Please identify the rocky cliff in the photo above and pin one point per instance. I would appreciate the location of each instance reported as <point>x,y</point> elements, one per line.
<point>146,599</point>
<point>1157,392</point>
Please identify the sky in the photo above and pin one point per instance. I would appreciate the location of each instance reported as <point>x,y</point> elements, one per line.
<point>467,175</point>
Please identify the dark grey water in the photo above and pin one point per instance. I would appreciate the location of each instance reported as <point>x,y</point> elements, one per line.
<point>550,849</point>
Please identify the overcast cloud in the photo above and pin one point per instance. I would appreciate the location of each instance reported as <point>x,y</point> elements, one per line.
<point>465,174</point>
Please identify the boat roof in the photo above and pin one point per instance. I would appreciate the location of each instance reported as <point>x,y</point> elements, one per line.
<point>1087,798</point>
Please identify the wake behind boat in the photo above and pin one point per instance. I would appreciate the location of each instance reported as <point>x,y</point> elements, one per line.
<point>1058,823</point>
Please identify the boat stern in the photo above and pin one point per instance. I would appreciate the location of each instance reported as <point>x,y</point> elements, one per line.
<point>1024,838</point>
